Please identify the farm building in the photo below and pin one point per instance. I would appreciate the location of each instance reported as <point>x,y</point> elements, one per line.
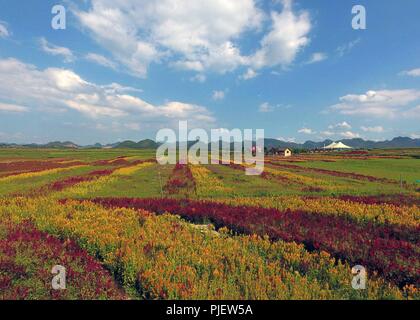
<point>280,152</point>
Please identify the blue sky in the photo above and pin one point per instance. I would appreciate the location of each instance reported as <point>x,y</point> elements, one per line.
<point>124,69</point>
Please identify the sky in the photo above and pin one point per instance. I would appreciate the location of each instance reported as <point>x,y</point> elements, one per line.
<point>123,69</point>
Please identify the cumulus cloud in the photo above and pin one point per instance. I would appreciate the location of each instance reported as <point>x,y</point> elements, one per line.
<point>347,47</point>
<point>349,135</point>
<point>290,139</point>
<point>12,108</point>
<point>101,60</point>
<point>383,103</point>
<point>249,74</point>
<point>317,57</point>
<point>201,78</point>
<point>341,125</point>
<point>327,133</point>
<point>218,95</point>
<point>4,31</point>
<point>199,36</point>
<point>412,113</point>
<point>266,108</point>
<point>376,129</point>
<point>412,73</point>
<point>307,131</point>
<point>54,50</point>
<point>54,88</point>
<point>288,35</point>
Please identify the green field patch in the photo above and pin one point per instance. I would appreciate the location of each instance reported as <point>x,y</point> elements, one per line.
<point>407,169</point>
<point>145,182</point>
<point>252,186</point>
<point>79,154</point>
<point>31,184</point>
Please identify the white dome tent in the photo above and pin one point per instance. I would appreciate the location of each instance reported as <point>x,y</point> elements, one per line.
<point>337,146</point>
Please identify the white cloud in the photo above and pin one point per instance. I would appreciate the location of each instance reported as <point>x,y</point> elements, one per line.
<point>133,126</point>
<point>266,108</point>
<point>327,133</point>
<point>349,135</point>
<point>341,125</point>
<point>383,103</point>
<point>249,74</point>
<point>317,57</point>
<point>288,35</point>
<point>4,31</point>
<point>307,131</point>
<point>218,95</point>
<point>346,48</point>
<point>54,50</point>
<point>12,108</point>
<point>54,88</point>
<point>101,60</point>
<point>377,129</point>
<point>290,139</point>
<point>201,78</point>
<point>412,113</point>
<point>199,36</point>
<point>412,73</point>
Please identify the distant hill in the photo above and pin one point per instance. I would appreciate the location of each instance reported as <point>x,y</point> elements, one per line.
<point>144,144</point>
<point>399,142</point>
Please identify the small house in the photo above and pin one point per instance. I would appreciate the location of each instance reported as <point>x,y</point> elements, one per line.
<point>280,152</point>
<point>286,152</point>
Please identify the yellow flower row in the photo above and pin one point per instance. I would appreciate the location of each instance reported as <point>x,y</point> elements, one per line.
<point>83,188</point>
<point>28,175</point>
<point>206,182</point>
<point>307,181</point>
<point>168,258</point>
<point>91,187</point>
<point>379,213</point>
<point>126,171</point>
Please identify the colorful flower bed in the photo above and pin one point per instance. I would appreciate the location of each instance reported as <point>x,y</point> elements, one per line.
<point>378,248</point>
<point>26,260</point>
<point>290,178</point>
<point>333,173</point>
<point>395,200</point>
<point>35,174</point>
<point>165,257</point>
<point>80,185</point>
<point>18,167</point>
<point>206,182</point>
<point>358,211</point>
<point>181,181</point>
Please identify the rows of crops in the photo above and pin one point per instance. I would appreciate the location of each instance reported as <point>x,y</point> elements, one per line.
<point>204,232</point>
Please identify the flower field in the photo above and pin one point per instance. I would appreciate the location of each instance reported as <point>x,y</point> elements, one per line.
<point>126,227</point>
<point>25,265</point>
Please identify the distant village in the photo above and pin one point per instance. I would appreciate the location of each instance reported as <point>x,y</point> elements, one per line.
<point>286,152</point>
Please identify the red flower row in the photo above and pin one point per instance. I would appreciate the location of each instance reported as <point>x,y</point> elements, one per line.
<point>85,277</point>
<point>393,251</point>
<point>180,180</point>
<point>18,167</point>
<point>333,173</point>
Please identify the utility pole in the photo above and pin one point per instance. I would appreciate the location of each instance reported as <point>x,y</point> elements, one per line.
<point>160,183</point>
<point>401,183</point>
